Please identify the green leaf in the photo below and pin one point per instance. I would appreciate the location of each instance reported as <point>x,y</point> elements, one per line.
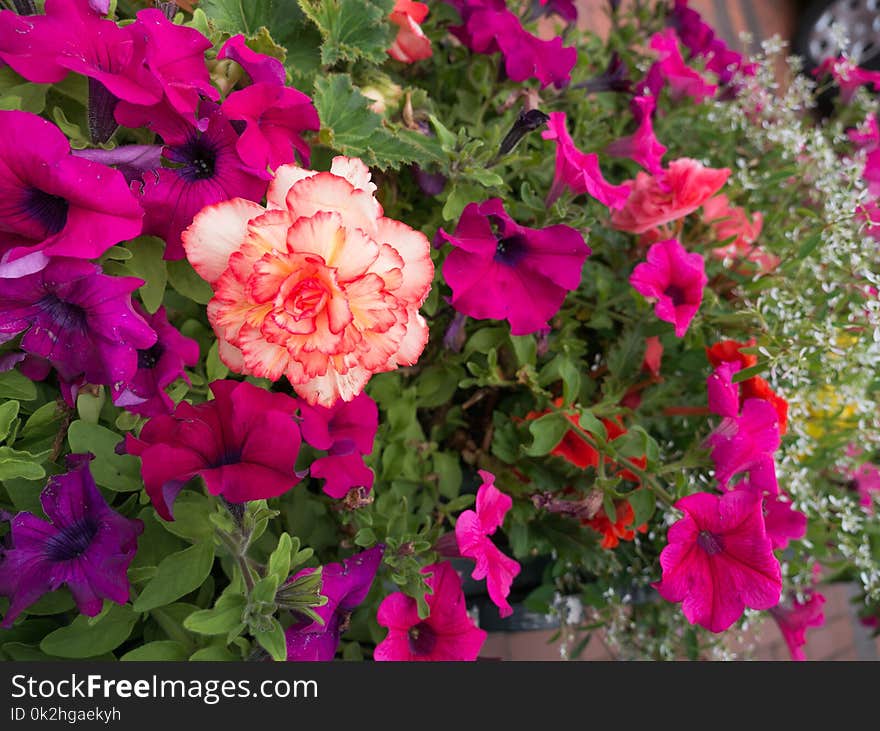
<point>448,469</point>
<point>273,641</point>
<point>589,422</point>
<point>183,278</point>
<point>351,29</point>
<point>13,385</point>
<point>447,139</point>
<point>177,575</point>
<point>160,650</point>
<point>279,561</point>
<point>643,503</point>
<point>147,263</point>
<point>191,517</point>
<point>89,405</point>
<point>119,472</point>
<point>224,617</point>
<point>53,603</point>
<point>16,93</point>
<point>25,494</point>
<point>547,431</point>
<point>215,369</point>
<point>486,178</point>
<point>247,17</point>
<point>15,464</point>
<point>365,537</point>
<point>214,653</point>
<point>8,414</point>
<point>80,639</point>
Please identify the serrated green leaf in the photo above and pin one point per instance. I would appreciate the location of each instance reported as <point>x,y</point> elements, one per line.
<point>177,575</point>
<point>351,29</point>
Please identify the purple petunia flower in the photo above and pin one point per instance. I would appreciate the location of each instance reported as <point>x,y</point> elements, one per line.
<point>130,160</point>
<point>157,367</point>
<point>260,67</point>
<point>87,545</point>
<point>489,27</point>
<point>345,585</point>
<point>244,444</point>
<point>53,203</point>
<point>346,432</point>
<point>78,318</point>
<point>208,169</point>
<point>501,270</point>
<point>675,280</point>
<point>275,118</point>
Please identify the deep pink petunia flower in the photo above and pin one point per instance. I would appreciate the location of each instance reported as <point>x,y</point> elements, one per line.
<point>642,146</point>
<point>448,634</point>
<point>345,585</point>
<point>719,560</point>
<point>674,193</point>
<point>848,76</point>
<point>77,318</point>
<point>795,619</point>
<point>207,170</point>
<point>675,279</point>
<point>86,545</point>
<point>579,171</point>
<point>53,203</point>
<point>472,531</point>
<point>867,481</point>
<point>346,432</point>
<point>157,367</point>
<point>670,68</point>
<point>175,56</point>
<point>244,444</point>
<point>565,9</point>
<point>744,444</point>
<point>260,67</point>
<point>489,27</point>
<point>782,522</point>
<point>275,118</point>
<point>504,271</point>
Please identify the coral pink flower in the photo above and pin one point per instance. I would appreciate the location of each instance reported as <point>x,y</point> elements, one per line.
<point>472,531</point>
<point>642,146</point>
<point>657,199</point>
<point>579,171</point>
<point>732,222</point>
<point>318,287</point>
<point>796,619</point>
<point>675,279</point>
<point>448,634</point>
<point>719,560</point>
<point>411,44</point>
<point>671,69</point>
<point>501,270</point>
<point>53,203</point>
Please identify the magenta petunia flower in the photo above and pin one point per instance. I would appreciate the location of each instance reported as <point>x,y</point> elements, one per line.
<point>275,118</point>
<point>472,531</point>
<point>448,634</point>
<point>782,522</point>
<point>670,68</point>
<point>565,9</point>
<point>579,171</point>
<point>53,203</point>
<point>675,279</point>
<point>719,560</point>
<point>260,67</point>
<point>244,444</point>
<point>504,271</point>
<point>345,585</point>
<point>157,367</point>
<point>848,76</point>
<point>796,618</point>
<point>346,432</point>
<point>489,27</point>
<point>744,444</point>
<point>78,318</point>
<point>207,169</point>
<point>86,545</point>
<point>175,56</point>
<point>642,146</point>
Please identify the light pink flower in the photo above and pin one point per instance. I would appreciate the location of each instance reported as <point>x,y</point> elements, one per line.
<point>472,531</point>
<point>719,560</point>
<point>642,146</point>
<point>675,279</point>
<point>448,633</point>
<point>579,171</point>
<point>674,193</point>
<point>795,619</point>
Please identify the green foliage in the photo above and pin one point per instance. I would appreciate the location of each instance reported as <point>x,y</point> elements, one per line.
<point>351,29</point>
<point>177,575</point>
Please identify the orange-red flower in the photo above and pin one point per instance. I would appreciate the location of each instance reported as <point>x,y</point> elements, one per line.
<point>621,529</point>
<point>319,286</point>
<point>411,44</point>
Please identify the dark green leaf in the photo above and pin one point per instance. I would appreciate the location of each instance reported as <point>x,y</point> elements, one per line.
<point>178,575</point>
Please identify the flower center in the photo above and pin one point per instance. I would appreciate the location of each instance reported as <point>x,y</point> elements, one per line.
<point>510,249</point>
<point>676,294</point>
<point>69,317</point>
<point>709,542</point>
<point>148,358</point>
<point>50,210</point>
<point>307,299</point>
<point>72,541</point>
<point>422,639</point>
<point>198,157</point>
